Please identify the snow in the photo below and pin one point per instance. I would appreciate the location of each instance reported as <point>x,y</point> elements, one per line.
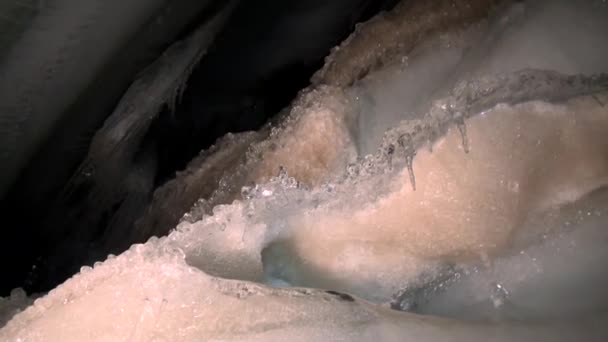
<point>559,278</point>
<point>465,204</point>
<point>16,302</point>
<point>150,294</point>
<point>476,201</point>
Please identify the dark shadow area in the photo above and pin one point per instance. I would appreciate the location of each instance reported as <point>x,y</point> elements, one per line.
<point>265,54</point>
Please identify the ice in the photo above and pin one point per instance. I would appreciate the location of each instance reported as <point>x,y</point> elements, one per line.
<point>17,301</point>
<point>561,277</point>
<point>165,289</point>
<point>150,294</point>
<point>463,205</point>
<point>481,199</point>
<point>391,35</point>
<point>514,38</point>
<point>405,141</point>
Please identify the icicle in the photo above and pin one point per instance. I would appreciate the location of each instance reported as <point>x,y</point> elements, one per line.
<point>462,128</point>
<point>409,160</point>
<point>405,141</point>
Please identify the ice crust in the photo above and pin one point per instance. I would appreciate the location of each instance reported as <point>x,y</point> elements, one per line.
<point>166,289</point>
<point>150,294</point>
<point>504,231</point>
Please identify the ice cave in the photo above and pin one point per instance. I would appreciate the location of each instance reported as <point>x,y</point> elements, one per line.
<point>266,170</point>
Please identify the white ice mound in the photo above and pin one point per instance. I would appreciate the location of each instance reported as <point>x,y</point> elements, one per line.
<point>366,240</point>
<point>373,235</point>
<point>150,294</point>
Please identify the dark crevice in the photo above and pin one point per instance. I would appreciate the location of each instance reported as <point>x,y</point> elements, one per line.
<point>267,53</point>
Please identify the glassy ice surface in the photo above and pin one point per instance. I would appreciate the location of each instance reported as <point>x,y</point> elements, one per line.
<point>502,238</point>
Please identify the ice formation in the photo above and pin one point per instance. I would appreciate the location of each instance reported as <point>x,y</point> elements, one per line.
<point>503,233</point>
<point>524,162</point>
<point>163,290</point>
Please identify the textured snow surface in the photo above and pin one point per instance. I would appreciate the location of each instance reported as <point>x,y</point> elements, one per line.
<point>491,246</point>
<point>482,204</point>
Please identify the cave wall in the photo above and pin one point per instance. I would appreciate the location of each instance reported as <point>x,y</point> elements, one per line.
<point>264,54</point>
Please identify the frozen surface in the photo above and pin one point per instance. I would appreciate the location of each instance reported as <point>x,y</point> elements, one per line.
<point>9,306</point>
<point>550,35</point>
<point>483,200</point>
<point>562,277</point>
<point>465,205</point>
<point>150,294</point>
<point>350,230</point>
